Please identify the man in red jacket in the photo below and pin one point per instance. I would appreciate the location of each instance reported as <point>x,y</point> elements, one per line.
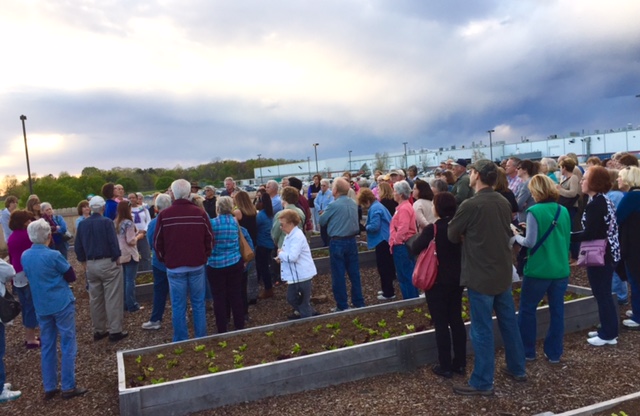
<point>183,241</point>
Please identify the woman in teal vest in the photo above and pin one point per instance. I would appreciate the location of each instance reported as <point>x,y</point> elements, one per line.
<point>547,268</point>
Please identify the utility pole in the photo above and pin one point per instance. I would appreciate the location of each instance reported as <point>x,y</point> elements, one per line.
<point>490,144</point>
<point>26,151</point>
<point>315,149</point>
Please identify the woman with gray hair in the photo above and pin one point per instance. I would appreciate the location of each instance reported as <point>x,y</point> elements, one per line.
<point>58,228</point>
<point>548,166</point>
<point>225,267</point>
<point>160,282</point>
<point>49,277</point>
<point>403,226</point>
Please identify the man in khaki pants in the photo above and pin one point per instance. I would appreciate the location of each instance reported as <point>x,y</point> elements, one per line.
<point>97,245</point>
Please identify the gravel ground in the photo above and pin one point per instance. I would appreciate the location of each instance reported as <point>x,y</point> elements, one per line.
<point>586,375</point>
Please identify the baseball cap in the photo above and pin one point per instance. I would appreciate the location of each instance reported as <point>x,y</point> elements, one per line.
<point>483,166</point>
<point>460,162</point>
<point>96,202</point>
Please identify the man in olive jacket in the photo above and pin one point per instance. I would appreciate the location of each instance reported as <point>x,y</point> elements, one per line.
<point>482,226</point>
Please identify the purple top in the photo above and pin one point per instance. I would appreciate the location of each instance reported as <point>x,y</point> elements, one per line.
<point>18,243</point>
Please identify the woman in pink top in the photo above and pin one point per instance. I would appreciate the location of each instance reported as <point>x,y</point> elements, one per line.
<point>403,226</point>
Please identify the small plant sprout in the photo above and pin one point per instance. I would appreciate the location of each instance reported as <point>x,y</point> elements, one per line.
<point>465,315</point>
<point>382,323</point>
<point>349,343</point>
<point>140,378</point>
<point>356,322</point>
<point>400,313</point>
<point>372,331</point>
<point>417,310</point>
<point>157,381</point>
<point>427,315</point>
<point>386,334</point>
<point>160,356</point>
<point>222,344</point>
<point>269,333</point>
<point>333,326</point>
<point>238,360</point>
<point>172,363</point>
<point>213,368</point>
<point>242,347</point>
<point>139,359</point>
<point>317,328</point>
<point>198,348</point>
<point>411,327</point>
<point>211,354</point>
<point>296,348</point>
<point>178,351</point>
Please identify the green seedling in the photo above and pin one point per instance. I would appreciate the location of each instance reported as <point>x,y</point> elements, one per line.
<point>242,347</point>
<point>418,310</point>
<point>372,331</point>
<point>428,315</point>
<point>296,348</point>
<point>140,378</point>
<point>172,363</point>
<point>139,359</point>
<point>213,368</point>
<point>178,351</point>
<point>238,361</point>
<point>317,328</point>
<point>400,314</point>
<point>222,344</point>
<point>160,356</point>
<point>157,381</point>
<point>333,326</point>
<point>386,335</point>
<point>269,333</point>
<point>411,327</point>
<point>349,343</point>
<point>382,323</point>
<point>199,348</point>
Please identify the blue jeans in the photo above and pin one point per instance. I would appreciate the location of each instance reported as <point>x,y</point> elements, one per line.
<point>3,372</point>
<point>344,258</point>
<point>600,282</point>
<point>481,334</point>
<point>29,319</point>
<point>635,293</point>
<point>404,270</point>
<point>180,285</point>
<point>63,323</point>
<point>533,290</point>
<point>619,287</point>
<point>160,293</point>
<point>129,271</point>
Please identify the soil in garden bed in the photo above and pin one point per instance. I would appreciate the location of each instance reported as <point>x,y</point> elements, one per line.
<point>253,348</point>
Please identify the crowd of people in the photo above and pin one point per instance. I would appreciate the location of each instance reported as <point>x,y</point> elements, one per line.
<point>477,214</point>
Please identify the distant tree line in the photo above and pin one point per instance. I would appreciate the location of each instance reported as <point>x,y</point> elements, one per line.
<point>66,190</point>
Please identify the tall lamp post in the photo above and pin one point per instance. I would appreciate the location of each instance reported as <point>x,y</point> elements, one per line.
<point>491,144</point>
<point>315,150</point>
<point>26,151</point>
<point>309,166</point>
<point>260,164</point>
<point>405,154</point>
<point>350,161</point>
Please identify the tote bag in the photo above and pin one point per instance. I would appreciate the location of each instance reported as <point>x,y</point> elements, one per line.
<point>245,249</point>
<point>426,269</point>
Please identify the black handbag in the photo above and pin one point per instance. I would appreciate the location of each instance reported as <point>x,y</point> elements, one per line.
<point>9,308</point>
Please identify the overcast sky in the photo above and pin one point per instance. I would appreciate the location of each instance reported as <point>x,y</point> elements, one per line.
<point>159,83</point>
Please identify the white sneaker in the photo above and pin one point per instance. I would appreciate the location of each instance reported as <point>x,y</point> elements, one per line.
<point>598,342</point>
<point>629,313</point>
<point>7,386</point>
<point>630,323</point>
<point>382,297</point>
<point>380,292</point>
<point>592,334</point>
<point>339,310</point>
<point>8,395</point>
<point>151,325</point>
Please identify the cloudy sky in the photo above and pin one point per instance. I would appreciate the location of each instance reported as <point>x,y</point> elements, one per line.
<point>157,83</point>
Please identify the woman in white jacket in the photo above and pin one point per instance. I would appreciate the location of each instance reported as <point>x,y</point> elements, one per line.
<point>296,265</point>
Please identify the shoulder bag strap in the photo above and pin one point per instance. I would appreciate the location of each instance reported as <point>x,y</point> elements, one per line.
<point>544,237</point>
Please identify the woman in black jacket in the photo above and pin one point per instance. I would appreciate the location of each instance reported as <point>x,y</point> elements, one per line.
<point>444,299</point>
<point>599,223</point>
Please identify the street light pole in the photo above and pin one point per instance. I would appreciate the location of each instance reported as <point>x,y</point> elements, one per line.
<point>490,144</point>
<point>26,151</point>
<point>315,149</point>
<point>309,167</point>
<point>405,154</point>
<point>260,164</point>
<point>349,161</point>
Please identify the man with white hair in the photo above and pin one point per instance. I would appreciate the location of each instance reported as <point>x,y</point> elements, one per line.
<point>272,190</point>
<point>183,241</point>
<point>141,219</point>
<point>341,219</point>
<point>229,187</point>
<point>49,277</point>
<point>96,245</point>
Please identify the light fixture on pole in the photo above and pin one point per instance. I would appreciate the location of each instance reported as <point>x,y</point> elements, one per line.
<point>315,149</point>
<point>26,151</point>
<point>260,164</point>
<point>350,161</point>
<point>405,154</point>
<point>491,144</point>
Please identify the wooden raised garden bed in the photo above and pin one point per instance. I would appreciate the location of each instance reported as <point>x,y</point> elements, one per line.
<point>296,372</point>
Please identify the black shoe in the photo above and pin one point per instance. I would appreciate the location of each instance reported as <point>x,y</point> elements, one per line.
<point>508,372</point>
<point>97,336</point>
<point>293,316</point>
<point>467,390</point>
<point>118,336</point>
<point>48,395</point>
<point>436,369</point>
<point>70,394</point>
<point>460,370</point>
